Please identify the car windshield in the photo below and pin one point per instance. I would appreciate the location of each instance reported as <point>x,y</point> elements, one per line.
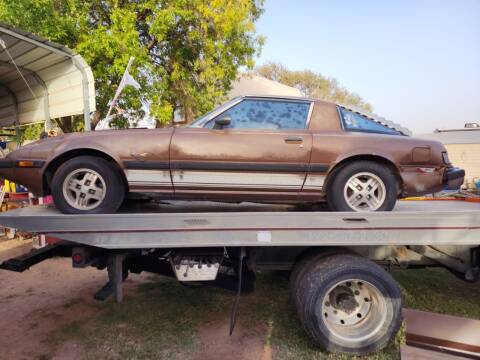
<point>202,119</point>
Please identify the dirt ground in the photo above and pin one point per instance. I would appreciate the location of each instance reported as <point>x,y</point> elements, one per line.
<point>37,303</point>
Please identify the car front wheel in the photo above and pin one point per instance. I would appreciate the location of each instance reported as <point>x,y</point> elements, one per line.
<point>87,185</point>
<point>362,186</point>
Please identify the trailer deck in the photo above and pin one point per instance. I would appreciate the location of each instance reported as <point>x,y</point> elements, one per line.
<point>181,224</point>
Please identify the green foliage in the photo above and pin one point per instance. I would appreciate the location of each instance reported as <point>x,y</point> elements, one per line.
<point>31,132</point>
<point>53,19</point>
<point>312,84</point>
<point>187,52</point>
<point>70,124</point>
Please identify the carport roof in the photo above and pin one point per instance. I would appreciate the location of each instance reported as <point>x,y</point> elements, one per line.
<point>60,82</point>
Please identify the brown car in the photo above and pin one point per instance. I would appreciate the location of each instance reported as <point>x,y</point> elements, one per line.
<point>262,149</point>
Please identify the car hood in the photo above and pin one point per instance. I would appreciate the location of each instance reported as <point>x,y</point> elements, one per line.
<point>94,134</point>
<point>43,148</point>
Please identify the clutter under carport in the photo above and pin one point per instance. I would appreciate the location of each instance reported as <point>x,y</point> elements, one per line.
<point>39,81</point>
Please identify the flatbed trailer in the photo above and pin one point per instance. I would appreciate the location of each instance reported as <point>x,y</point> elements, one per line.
<point>343,294</point>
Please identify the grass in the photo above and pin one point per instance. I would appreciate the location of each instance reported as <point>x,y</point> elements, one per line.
<point>158,322</point>
<point>162,319</point>
<point>437,290</point>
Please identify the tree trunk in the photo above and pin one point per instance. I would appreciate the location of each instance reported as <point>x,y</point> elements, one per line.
<point>65,124</point>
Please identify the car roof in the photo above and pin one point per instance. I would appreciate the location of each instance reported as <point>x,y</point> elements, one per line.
<point>286,97</point>
<point>374,117</point>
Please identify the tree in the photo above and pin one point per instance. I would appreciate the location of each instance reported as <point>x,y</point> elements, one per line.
<point>312,84</point>
<point>187,52</point>
<point>31,132</point>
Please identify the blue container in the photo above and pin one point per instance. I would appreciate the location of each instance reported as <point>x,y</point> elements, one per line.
<point>21,189</point>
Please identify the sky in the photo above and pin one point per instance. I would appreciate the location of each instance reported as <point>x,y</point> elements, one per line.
<point>416,61</point>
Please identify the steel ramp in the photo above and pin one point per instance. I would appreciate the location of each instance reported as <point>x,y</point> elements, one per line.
<point>425,223</point>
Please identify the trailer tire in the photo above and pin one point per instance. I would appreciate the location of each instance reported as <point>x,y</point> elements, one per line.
<point>302,267</point>
<point>103,194</point>
<point>349,304</point>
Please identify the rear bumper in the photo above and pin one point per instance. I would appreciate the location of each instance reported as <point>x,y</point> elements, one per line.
<point>453,178</point>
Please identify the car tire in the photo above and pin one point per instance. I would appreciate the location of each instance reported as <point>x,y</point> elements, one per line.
<point>87,185</point>
<point>370,294</point>
<point>342,195</point>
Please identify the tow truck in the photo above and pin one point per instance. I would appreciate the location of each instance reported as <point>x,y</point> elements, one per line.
<point>340,286</point>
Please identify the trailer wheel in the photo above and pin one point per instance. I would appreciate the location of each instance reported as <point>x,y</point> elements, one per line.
<point>87,185</point>
<point>302,267</point>
<point>349,304</point>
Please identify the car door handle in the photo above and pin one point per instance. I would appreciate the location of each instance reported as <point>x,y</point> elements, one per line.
<point>293,139</point>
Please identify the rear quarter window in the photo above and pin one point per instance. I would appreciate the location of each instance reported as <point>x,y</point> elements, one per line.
<point>353,121</point>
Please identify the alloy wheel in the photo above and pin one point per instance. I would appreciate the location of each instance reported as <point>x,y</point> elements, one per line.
<point>364,191</point>
<point>84,189</point>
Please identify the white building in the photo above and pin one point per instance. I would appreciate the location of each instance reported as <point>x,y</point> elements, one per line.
<point>249,84</point>
<point>463,146</point>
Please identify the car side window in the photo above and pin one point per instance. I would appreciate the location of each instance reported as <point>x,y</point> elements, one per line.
<point>266,114</point>
<point>353,121</point>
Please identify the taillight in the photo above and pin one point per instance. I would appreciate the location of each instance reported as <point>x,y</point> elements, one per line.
<point>77,258</point>
<point>446,160</point>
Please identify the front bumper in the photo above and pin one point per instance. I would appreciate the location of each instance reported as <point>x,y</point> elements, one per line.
<point>453,178</point>
<point>6,163</point>
<point>28,173</point>
<point>7,169</point>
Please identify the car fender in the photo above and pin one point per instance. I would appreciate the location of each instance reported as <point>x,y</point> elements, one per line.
<point>59,152</point>
<point>366,153</point>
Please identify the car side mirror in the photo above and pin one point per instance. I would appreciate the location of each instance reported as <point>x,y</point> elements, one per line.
<point>222,122</point>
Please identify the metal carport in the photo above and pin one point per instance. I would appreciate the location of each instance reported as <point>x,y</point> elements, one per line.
<point>54,81</point>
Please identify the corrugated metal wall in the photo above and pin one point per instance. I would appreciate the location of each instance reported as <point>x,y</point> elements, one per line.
<point>8,108</point>
<point>60,80</point>
<point>64,83</point>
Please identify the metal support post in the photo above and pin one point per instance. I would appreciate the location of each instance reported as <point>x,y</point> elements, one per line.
<point>116,276</point>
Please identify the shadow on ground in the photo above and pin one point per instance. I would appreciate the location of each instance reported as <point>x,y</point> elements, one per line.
<point>165,320</point>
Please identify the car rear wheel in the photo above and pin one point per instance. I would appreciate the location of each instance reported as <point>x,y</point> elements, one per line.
<point>87,185</point>
<point>362,186</point>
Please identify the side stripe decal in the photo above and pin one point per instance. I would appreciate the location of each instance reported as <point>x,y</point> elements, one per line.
<point>225,175</point>
<point>146,165</point>
<point>238,166</point>
<point>223,166</point>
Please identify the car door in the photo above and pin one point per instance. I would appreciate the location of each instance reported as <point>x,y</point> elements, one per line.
<point>265,148</point>
<point>145,158</point>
